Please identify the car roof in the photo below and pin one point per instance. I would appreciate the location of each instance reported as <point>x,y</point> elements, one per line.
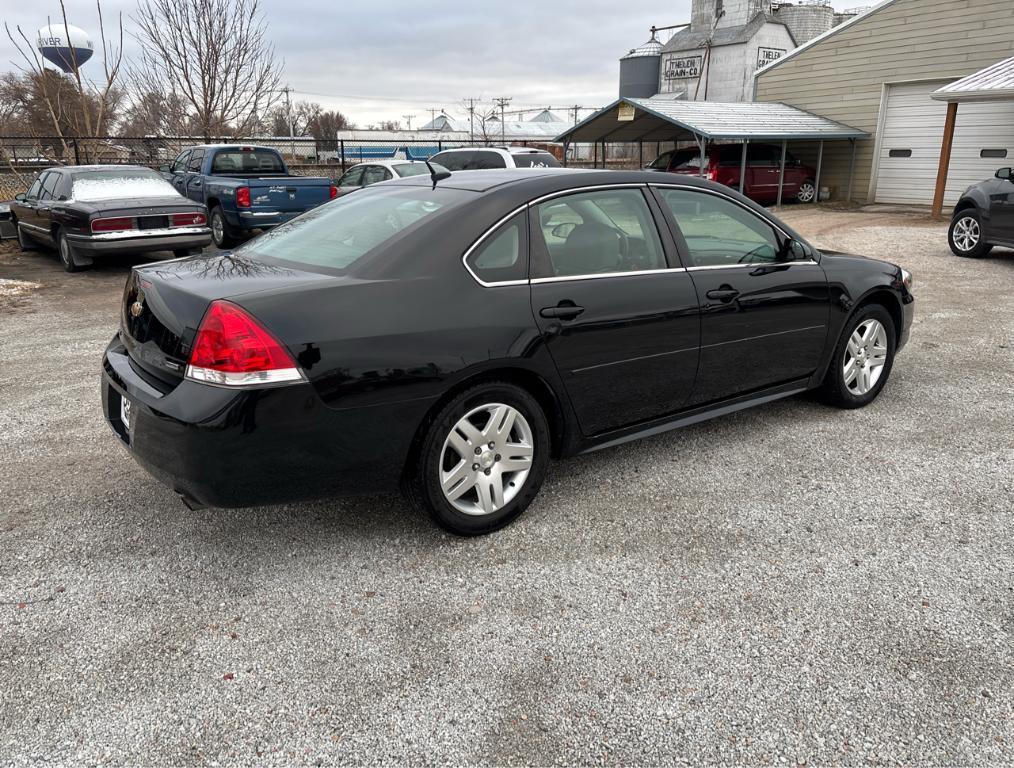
<point>387,162</point>
<point>96,167</point>
<point>504,150</point>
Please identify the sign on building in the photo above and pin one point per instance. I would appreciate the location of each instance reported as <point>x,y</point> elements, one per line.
<point>682,68</point>
<point>766,55</point>
<point>626,113</point>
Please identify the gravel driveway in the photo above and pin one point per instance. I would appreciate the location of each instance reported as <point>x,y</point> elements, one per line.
<point>791,584</point>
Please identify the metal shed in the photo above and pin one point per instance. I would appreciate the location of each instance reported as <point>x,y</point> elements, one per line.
<point>994,83</point>
<point>668,119</point>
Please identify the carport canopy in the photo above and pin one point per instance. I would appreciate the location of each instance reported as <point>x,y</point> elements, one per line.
<point>670,119</point>
<point>994,83</point>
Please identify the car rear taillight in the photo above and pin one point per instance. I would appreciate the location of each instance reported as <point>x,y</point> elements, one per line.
<point>188,219</point>
<point>334,191</point>
<point>713,174</point>
<point>243,197</point>
<point>232,349</point>
<point>118,224</point>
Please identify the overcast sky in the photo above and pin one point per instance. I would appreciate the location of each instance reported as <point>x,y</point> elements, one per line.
<point>384,59</point>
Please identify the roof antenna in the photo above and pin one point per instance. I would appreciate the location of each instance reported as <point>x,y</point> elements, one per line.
<point>436,175</point>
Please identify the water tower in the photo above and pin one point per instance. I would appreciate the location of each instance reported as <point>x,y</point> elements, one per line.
<point>65,46</point>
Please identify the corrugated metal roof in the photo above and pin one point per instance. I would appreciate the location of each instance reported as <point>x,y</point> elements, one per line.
<point>666,119</point>
<point>992,83</point>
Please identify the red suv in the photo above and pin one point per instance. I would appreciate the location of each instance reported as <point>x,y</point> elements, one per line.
<point>722,164</point>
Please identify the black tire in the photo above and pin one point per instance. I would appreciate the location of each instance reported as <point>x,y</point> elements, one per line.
<point>423,486</point>
<point>25,242</point>
<point>835,389</point>
<point>972,219</point>
<point>66,253</point>
<point>221,234</point>
<point>807,192</point>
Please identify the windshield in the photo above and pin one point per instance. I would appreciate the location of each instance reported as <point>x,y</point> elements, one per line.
<point>247,160</point>
<point>535,160</point>
<point>411,169</point>
<point>339,233</point>
<point>118,184</point>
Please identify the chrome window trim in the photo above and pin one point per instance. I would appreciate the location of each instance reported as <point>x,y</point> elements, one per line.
<point>751,265</point>
<point>542,199</point>
<point>600,276</point>
<point>33,226</point>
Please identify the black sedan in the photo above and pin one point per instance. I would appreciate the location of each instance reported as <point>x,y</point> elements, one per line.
<point>89,210</point>
<point>984,217</point>
<point>451,337</point>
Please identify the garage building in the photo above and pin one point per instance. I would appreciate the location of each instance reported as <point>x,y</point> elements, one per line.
<point>877,72</point>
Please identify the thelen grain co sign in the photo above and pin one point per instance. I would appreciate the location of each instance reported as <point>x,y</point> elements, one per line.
<point>682,68</point>
<point>766,55</point>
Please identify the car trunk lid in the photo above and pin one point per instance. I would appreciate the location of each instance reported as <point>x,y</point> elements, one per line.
<point>292,194</point>
<point>164,303</point>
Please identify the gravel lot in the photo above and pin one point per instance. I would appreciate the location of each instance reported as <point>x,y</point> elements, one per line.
<point>792,584</point>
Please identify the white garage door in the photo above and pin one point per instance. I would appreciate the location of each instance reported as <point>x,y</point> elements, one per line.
<point>910,144</point>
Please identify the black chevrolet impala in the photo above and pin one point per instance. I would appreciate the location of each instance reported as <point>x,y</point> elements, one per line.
<point>451,336</point>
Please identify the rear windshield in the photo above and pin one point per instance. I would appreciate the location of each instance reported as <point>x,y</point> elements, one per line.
<point>241,160</point>
<point>470,160</point>
<point>337,234</point>
<point>535,160</point>
<point>116,184</point>
<point>411,169</point>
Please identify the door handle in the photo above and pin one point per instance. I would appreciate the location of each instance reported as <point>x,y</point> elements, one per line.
<point>562,311</point>
<point>723,294</point>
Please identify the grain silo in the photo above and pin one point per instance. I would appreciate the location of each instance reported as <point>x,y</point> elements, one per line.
<point>639,70</point>
<point>805,20</point>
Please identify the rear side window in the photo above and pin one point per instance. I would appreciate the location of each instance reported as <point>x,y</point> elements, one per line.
<point>471,160</point>
<point>535,160</point>
<point>502,256</point>
<point>336,235</point>
<point>246,160</point>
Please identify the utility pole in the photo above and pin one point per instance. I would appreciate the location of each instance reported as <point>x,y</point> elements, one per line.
<point>408,119</point>
<point>503,103</point>
<point>292,131</point>
<point>575,110</point>
<point>433,113</point>
<point>470,104</point>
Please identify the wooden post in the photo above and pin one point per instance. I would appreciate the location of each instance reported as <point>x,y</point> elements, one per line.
<point>742,167</point>
<point>781,172</point>
<point>945,159</point>
<point>820,164</point>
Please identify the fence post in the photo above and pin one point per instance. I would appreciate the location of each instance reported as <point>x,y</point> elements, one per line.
<point>77,157</point>
<point>341,149</point>
<point>440,145</point>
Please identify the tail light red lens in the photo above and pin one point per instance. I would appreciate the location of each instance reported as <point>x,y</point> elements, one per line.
<point>334,191</point>
<point>713,174</point>
<point>188,219</point>
<point>243,197</point>
<point>118,224</point>
<point>232,349</point>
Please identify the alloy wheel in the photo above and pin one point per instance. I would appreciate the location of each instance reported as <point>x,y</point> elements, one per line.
<point>486,459</point>
<point>865,357</point>
<point>807,192</point>
<point>217,229</point>
<point>967,233</point>
<point>65,256</point>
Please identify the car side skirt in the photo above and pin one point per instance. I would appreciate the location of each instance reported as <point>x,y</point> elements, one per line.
<point>696,416</point>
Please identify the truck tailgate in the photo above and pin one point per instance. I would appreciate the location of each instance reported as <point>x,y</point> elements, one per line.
<point>292,194</point>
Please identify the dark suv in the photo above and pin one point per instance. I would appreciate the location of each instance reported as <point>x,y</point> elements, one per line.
<point>984,216</point>
<point>763,161</point>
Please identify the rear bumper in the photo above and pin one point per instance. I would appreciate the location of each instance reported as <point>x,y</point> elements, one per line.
<point>188,240</point>
<point>264,219</point>
<point>227,448</point>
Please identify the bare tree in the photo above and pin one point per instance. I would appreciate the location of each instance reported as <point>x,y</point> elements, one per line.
<point>67,106</point>
<point>213,55</point>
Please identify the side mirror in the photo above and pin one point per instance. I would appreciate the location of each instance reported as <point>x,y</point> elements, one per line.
<point>1005,174</point>
<point>797,251</point>
<point>20,197</point>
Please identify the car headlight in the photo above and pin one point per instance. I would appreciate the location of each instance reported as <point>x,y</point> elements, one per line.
<point>906,278</point>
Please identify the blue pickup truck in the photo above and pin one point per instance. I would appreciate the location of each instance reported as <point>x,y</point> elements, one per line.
<point>246,188</point>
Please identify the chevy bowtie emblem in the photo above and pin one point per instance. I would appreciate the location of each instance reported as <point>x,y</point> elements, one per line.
<point>137,307</point>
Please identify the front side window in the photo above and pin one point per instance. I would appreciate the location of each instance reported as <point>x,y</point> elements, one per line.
<point>336,235</point>
<point>196,161</point>
<point>597,232</point>
<point>411,169</point>
<point>49,185</point>
<point>502,255</point>
<point>35,189</point>
<point>661,163</point>
<point>719,233</point>
<point>180,163</point>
